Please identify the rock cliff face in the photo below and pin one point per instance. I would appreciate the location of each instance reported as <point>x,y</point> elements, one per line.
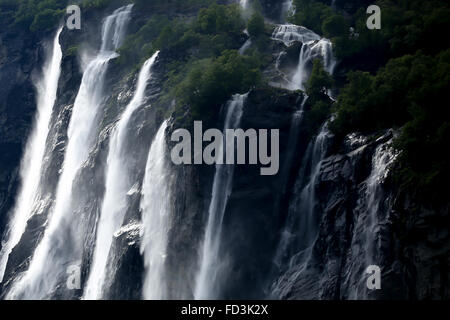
<point>344,192</point>
<point>20,53</point>
<point>360,224</point>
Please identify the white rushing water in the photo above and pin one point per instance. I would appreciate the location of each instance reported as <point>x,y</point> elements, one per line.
<point>310,51</point>
<point>59,246</point>
<point>244,4</point>
<point>314,47</point>
<point>117,184</point>
<point>32,163</point>
<point>371,219</point>
<point>294,130</point>
<point>290,33</point>
<point>114,27</point>
<point>300,230</point>
<point>297,239</point>
<point>156,208</point>
<point>308,227</point>
<point>382,160</point>
<point>287,8</point>
<point>245,46</point>
<point>208,277</point>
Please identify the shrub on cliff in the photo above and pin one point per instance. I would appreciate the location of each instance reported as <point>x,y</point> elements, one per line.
<point>256,25</point>
<point>410,92</point>
<point>212,82</point>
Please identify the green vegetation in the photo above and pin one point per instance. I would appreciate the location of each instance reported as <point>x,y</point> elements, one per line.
<point>210,83</point>
<point>319,81</point>
<point>204,67</point>
<point>42,15</point>
<point>256,25</point>
<point>259,34</point>
<point>33,15</point>
<point>397,76</point>
<point>160,6</point>
<point>311,14</point>
<point>411,92</point>
<point>214,30</point>
<point>200,43</point>
<point>400,78</point>
<point>407,26</point>
<point>85,4</point>
<point>317,86</point>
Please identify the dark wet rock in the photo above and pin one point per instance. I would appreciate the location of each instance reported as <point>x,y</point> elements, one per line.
<point>20,56</point>
<point>127,264</point>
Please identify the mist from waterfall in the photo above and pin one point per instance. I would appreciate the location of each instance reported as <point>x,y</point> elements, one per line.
<point>156,202</point>
<point>117,184</point>
<point>211,267</point>
<point>114,27</point>
<point>61,244</point>
<point>287,8</point>
<point>33,159</point>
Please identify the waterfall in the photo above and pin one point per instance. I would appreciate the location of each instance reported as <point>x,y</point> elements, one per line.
<point>61,242</point>
<point>113,28</point>
<point>292,142</point>
<point>117,185</point>
<point>382,160</point>
<point>155,207</point>
<point>290,33</point>
<point>306,205</point>
<point>245,46</point>
<point>244,4</point>
<point>208,280</point>
<point>372,216</point>
<point>32,163</point>
<point>310,51</point>
<point>286,9</point>
<point>313,47</point>
<point>301,226</point>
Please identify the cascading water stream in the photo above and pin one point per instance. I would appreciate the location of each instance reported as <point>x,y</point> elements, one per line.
<point>301,226</point>
<point>310,51</point>
<point>33,160</point>
<point>117,185</point>
<point>381,164</point>
<point>370,220</point>
<point>60,245</point>
<point>114,27</point>
<point>208,277</point>
<point>308,226</point>
<point>292,142</point>
<point>290,33</point>
<point>286,9</point>
<point>156,207</point>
